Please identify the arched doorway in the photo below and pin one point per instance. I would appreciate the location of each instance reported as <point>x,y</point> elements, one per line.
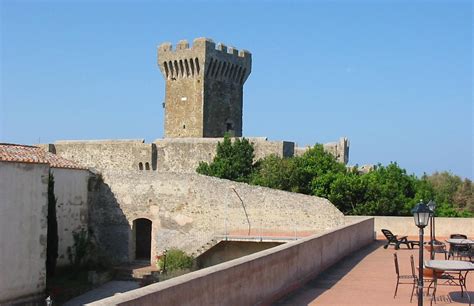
<point>142,230</point>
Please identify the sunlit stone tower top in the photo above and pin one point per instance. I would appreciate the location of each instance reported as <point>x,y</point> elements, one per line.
<point>204,88</point>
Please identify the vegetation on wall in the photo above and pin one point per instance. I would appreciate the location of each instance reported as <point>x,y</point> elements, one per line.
<point>52,231</point>
<point>386,191</point>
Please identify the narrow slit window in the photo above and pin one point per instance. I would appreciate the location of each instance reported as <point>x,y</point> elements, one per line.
<point>186,65</point>
<point>167,73</point>
<point>181,66</point>
<point>170,64</point>
<point>191,63</point>
<point>213,72</point>
<point>219,65</point>
<point>209,68</point>
<point>239,74</point>
<point>226,72</point>
<point>140,166</point>
<point>197,65</point>
<point>176,69</point>
<point>241,81</point>
<point>147,166</point>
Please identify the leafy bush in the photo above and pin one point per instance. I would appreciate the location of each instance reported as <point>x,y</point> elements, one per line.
<point>175,260</point>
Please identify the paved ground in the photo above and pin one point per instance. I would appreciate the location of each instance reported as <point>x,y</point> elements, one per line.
<point>368,278</point>
<point>106,290</point>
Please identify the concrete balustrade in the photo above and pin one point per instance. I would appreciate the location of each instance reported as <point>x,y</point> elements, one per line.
<point>258,278</point>
<point>405,226</point>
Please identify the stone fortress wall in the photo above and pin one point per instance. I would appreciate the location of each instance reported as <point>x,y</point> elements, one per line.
<point>189,210</point>
<point>157,181</point>
<point>180,155</point>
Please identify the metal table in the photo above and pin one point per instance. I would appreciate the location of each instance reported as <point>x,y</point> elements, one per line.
<point>460,241</point>
<point>460,267</point>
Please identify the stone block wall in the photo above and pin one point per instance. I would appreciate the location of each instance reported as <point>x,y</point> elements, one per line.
<point>183,155</point>
<point>108,154</point>
<point>188,210</point>
<point>204,88</point>
<point>340,150</point>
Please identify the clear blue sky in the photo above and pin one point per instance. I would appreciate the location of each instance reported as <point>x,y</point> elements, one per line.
<point>395,77</point>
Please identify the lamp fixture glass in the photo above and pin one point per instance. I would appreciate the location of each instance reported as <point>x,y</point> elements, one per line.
<point>432,205</point>
<point>421,213</point>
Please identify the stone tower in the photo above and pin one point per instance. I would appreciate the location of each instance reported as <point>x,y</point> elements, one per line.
<point>204,88</point>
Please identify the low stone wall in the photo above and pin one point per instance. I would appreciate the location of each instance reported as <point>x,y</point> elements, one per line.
<point>405,226</point>
<point>254,279</point>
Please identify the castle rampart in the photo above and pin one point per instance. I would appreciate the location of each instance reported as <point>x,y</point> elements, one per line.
<point>180,155</point>
<point>188,210</point>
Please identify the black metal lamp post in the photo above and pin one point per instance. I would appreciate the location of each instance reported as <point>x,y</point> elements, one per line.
<point>421,213</point>
<point>432,207</point>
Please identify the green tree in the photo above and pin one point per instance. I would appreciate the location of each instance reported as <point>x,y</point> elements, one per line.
<point>233,160</point>
<point>454,196</point>
<point>389,191</point>
<point>276,172</point>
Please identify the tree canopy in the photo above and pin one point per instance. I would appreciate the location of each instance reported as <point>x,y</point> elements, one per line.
<point>385,191</point>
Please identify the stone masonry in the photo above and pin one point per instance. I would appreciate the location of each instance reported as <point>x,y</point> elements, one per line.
<point>188,210</point>
<point>204,88</point>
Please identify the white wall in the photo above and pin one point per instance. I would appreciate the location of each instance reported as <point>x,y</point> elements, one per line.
<point>23,229</point>
<point>70,189</point>
<point>405,226</point>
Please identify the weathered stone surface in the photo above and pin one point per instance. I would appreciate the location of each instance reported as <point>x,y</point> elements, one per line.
<point>184,154</point>
<point>204,88</point>
<point>108,154</point>
<point>187,210</point>
<point>340,150</point>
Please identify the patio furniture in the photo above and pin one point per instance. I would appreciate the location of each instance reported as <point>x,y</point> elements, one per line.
<point>411,279</point>
<point>461,247</point>
<point>457,247</point>
<point>456,276</point>
<point>438,248</point>
<point>393,239</point>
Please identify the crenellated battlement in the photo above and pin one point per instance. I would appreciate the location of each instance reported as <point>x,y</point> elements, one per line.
<point>206,59</point>
<point>204,88</point>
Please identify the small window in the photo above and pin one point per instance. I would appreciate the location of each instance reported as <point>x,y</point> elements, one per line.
<point>147,166</point>
<point>197,65</point>
<point>140,166</point>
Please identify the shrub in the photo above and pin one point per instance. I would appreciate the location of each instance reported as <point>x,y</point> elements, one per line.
<point>175,260</point>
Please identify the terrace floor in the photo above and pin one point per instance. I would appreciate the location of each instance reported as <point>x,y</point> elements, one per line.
<point>368,278</point>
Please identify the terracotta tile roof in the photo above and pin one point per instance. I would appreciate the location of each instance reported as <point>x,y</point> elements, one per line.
<point>31,154</point>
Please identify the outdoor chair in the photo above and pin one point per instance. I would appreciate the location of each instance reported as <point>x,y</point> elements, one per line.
<point>438,248</point>
<point>393,239</point>
<point>458,249</point>
<point>405,279</point>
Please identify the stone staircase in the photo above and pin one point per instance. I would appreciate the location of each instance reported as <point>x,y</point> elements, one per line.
<point>139,271</point>
<point>204,248</point>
